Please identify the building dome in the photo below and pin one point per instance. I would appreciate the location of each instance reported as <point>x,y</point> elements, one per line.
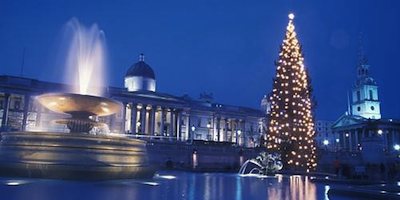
<point>140,77</point>
<point>141,69</point>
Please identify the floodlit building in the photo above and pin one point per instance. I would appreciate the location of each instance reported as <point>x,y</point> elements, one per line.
<point>146,113</point>
<point>325,138</point>
<point>362,128</point>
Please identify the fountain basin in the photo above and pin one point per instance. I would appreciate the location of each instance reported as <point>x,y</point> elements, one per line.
<point>80,107</point>
<point>77,104</point>
<point>72,156</point>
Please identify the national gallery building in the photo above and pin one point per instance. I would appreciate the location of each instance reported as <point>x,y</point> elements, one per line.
<point>147,113</point>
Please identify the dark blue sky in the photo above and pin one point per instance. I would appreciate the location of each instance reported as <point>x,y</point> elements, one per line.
<point>225,47</point>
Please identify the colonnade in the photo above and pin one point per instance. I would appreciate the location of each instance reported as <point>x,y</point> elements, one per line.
<point>164,122</point>
<point>351,140</point>
<point>152,120</point>
<point>6,107</point>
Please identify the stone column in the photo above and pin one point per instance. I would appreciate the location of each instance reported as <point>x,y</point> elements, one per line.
<point>236,133</point>
<point>152,120</point>
<point>143,120</point>
<point>133,118</point>
<point>124,117</point>
<point>171,123</point>
<point>351,140</point>
<point>187,126</point>
<point>227,139</point>
<point>214,129</point>
<point>26,108</point>
<point>178,125</point>
<point>356,139</point>
<point>243,129</point>
<point>219,129</point>
<point>6,108</point>
<point>389,134</point>
<point>162,122</point>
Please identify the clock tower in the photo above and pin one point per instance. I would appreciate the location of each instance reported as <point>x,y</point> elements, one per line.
<point>365,93</point>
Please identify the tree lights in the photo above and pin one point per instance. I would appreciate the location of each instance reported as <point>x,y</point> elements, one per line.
<point>291,123</point>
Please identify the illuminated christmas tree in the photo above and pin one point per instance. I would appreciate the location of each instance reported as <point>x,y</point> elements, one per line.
<point>291,123</point>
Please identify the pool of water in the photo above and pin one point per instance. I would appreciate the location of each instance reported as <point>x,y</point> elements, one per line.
<point>168,185</point>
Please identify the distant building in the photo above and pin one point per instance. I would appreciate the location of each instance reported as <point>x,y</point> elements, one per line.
<point>325,139</point>
<point>362,127</point>
<point>146,113</point>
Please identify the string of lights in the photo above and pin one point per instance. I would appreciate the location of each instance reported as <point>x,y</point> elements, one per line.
<point>291,123</point>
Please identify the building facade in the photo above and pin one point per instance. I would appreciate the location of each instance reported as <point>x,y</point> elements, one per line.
<point>146,113</point>
<point>362,128</point>
<point>325,138</point>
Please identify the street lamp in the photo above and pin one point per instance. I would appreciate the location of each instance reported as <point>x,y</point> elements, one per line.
<point>193,129</point>
<point>337,144</point>
<point>396,147</point>
<point>380,132</point>
<point>326,142</point>
<point>208,130</point>
<point>239,132</point>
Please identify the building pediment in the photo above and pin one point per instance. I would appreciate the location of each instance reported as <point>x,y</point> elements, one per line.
<point>347,120</point>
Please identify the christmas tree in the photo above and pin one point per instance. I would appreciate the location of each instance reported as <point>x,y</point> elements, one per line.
<point>291,123</point>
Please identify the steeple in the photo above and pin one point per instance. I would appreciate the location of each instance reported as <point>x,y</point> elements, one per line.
<point>365,101</point>
<point>363,76</point>
<point>362,66</point>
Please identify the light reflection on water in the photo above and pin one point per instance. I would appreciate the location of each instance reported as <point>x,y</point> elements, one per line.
<point>169,185</point>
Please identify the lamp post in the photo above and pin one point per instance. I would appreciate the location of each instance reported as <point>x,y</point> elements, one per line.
<point>193,133</point>
<point>337,140</point>
<point>208,131</point>
<point>396,147</point>
<point>239,132</point>
<point>326,143</point>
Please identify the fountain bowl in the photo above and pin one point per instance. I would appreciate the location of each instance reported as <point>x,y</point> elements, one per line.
<point>76,103</point>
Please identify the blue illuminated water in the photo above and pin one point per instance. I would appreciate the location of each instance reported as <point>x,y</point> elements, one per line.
<point>168,185</point>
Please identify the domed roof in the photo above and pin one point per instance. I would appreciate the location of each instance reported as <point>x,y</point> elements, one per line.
<point>141,69</point>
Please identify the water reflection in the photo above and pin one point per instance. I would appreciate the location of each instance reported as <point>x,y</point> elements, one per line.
<point>172,185</point>
<point>238,188</point>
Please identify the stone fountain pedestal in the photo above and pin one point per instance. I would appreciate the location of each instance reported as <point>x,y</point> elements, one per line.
<point>74,155</point>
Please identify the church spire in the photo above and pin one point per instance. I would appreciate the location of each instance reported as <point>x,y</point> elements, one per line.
<point>362,59</point>
<point>363,66</point>
<point>365,92</point>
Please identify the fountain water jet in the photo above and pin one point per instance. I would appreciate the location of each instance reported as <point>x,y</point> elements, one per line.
<point>86,58</point>
<point>264,164</point>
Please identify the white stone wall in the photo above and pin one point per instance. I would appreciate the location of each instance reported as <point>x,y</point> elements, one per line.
<point>138,83</point>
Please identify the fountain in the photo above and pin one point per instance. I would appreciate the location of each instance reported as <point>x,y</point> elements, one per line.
<point>76,155</point>
<point>264,164</point>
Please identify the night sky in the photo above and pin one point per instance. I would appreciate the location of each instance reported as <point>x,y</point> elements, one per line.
<point>225,47</point>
